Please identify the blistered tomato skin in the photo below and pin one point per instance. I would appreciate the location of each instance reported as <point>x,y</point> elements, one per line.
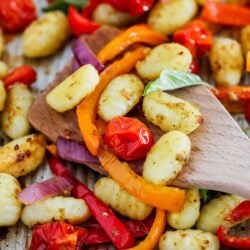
<point>16,15</point>
<point>128,138</point>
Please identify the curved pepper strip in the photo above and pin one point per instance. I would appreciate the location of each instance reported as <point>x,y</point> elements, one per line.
<point>86,111</point>
<point>167,198</point>
<point>136,34</point>
<point>114,228</point>
<point>232,93</point>
<point>155,232</point>
<point>226,14</point>
<point>236,216</point>
<point>248,61</point>
<point>80,24</point>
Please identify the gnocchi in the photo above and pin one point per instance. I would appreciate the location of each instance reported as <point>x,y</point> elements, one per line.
<point>189,214</point>
<point>3,95</point>
<point>107,190</point>
<point>168,16</point>
<point>212,214</point>
<point>189,239</point>
<point>57,208</point>
<point>107,14</point>
<point>23,155</point>
<point>167,157</point>
<point>245,38</point>
<point>165,56</point>
<point>15,121</point>
<point>73,89</point>
<point>226,60</point>
<point>46,35</point>
<point>171,113</point>
<point>3,69</point>
<point>123,93</point>
<point>10,206</point>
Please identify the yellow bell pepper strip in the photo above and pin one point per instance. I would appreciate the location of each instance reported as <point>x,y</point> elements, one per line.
<point>167,198</point>
<point>86,111</point>
<point>248,61</point>
<point>226,14</point>
<point>155,232</point>
<point>136,34</point>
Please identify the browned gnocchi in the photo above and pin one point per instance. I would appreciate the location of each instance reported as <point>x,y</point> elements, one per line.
<point>109,191</point>
<point>171,113</point>
<point>120,96</point>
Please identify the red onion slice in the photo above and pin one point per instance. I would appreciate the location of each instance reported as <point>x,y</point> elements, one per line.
<point>84,55</point>
<point>49,188</point>
<point>74,151</point>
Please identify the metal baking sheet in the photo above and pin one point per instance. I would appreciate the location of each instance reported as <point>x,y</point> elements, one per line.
<point>18,237</point>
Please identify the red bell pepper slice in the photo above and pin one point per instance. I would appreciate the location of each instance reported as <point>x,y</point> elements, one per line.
<point>236,216</point>
<point>226,14</point>
<point>121,237</point>
<point>57,235</point>
<point>96,235</point>
<point>24,74</point>
<point>80,24</point>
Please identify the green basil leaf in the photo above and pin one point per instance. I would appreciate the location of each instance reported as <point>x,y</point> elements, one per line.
<point>171,80</point>
<point>63,5</point>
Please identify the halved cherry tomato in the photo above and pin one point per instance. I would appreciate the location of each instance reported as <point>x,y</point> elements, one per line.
<point>128,138</point>
<point>16,15</point>
<point>57,236</point>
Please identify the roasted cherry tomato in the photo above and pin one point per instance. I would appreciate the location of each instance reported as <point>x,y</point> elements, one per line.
<point>57,236</point>
<point>16,15</point>
<point>128,138</point>
<point>24,74</point>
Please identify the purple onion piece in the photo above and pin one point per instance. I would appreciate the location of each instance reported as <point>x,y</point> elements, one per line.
<point>84,55</point>
<point>49,188</point>
<point>74,151</point>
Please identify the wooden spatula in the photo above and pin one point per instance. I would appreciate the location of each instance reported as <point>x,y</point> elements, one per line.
<point>220,150</point>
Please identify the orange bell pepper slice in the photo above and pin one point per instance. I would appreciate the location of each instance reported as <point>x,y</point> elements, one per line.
<point>52,148</point>
<point>248,61</point>
<point>232,93</point>
<point>226,14</point>
<point>155,232</point>
<point>86,111</point>
<point>136,34</point>
<point>167,198</point>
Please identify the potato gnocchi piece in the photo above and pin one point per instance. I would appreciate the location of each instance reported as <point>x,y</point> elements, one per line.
<point>190,212</point>
<point>167,158</point>
<point>56,208</point>
<point>3,95</point>
<point>169,16</point>
<point>212,214</point>
<point>107,190</point>
<point>245,38</point>
<point>226,60</point>
<point>10,206</point>
<point>120,96</point>
<point>188,239</point>
<point>171,113</point>
<point>46,35</point>
<point>165,56</point>
<point>73,89</point>
<point>107,14</point>
<point>15,121</point>
<point>23,155</point>
<point>3,69</point>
